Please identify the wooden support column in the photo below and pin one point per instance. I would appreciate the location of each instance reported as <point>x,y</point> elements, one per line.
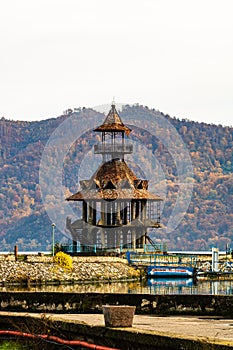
<point>125,213</point>
<point>102,237</point>
<point>143,210</point>
<point>133,237</point>
<point>119,234</point>
<point>143,239</point>
<point>102,212</point>
<point>158,211</point>
<point>108,207</point>
<point>84,213</point>
<point>133,211</point>
<point>94,213</point>
<point>74,247</point>
<point>90,214</point>
<point>118,214</point>
<point>137,209</point>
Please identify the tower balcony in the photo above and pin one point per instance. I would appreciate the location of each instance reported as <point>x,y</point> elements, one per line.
<point>113,148</point>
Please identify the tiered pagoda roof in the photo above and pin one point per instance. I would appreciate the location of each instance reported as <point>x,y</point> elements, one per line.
<point>113,122</point>
<point>114,180</point>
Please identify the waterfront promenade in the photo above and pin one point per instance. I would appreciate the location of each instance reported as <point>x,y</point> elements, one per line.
<point>148,331</point>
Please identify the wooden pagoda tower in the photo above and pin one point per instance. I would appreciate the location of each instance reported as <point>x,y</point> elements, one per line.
<point>117,208</point>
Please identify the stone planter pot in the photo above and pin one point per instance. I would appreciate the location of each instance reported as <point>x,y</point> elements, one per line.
<point>118,315</point>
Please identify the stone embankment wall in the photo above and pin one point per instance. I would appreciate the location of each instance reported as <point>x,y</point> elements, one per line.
<point>42,270</point>
<point>92,303</point>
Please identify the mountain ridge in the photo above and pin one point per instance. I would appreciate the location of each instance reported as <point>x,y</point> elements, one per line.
<point>207,222</point>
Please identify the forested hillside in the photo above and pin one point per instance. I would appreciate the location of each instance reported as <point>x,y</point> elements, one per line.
<point>208,221</point>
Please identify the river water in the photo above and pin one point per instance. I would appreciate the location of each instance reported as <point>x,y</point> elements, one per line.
<point>151,286</point>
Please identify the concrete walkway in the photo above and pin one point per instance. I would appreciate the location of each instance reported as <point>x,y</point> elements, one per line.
<point>215,331</point>
<point>197,327</point>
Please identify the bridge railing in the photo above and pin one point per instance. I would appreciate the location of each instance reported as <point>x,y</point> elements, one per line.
<point>161,259</point>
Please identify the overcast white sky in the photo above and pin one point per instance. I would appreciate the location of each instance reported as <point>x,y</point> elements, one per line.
<point>172,55</point>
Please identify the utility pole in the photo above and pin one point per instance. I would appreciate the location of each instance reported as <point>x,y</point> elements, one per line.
<point>53,227</point>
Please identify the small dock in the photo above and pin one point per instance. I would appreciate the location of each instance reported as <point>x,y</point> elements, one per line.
<point>164,265</point>
<point>182,264</point>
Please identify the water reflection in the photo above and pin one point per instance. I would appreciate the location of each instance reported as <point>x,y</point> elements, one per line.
<point>188,286</point>
<point>150,286</point>
<point>113,287</point>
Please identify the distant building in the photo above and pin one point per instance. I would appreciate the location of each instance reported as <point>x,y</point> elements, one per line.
<point>117,208</point>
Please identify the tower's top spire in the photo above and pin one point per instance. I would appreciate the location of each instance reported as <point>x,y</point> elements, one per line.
<point>113,122</point>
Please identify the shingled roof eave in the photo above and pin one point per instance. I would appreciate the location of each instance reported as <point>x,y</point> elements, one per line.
<point>113,127</point>
<point>114,195</point>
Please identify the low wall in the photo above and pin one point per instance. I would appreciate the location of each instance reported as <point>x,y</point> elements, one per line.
<point>120,338</point>
<point>92,303</point>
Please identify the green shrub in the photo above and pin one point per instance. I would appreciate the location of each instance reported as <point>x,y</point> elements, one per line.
<point>10,345</point>
<point>63,260</point>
